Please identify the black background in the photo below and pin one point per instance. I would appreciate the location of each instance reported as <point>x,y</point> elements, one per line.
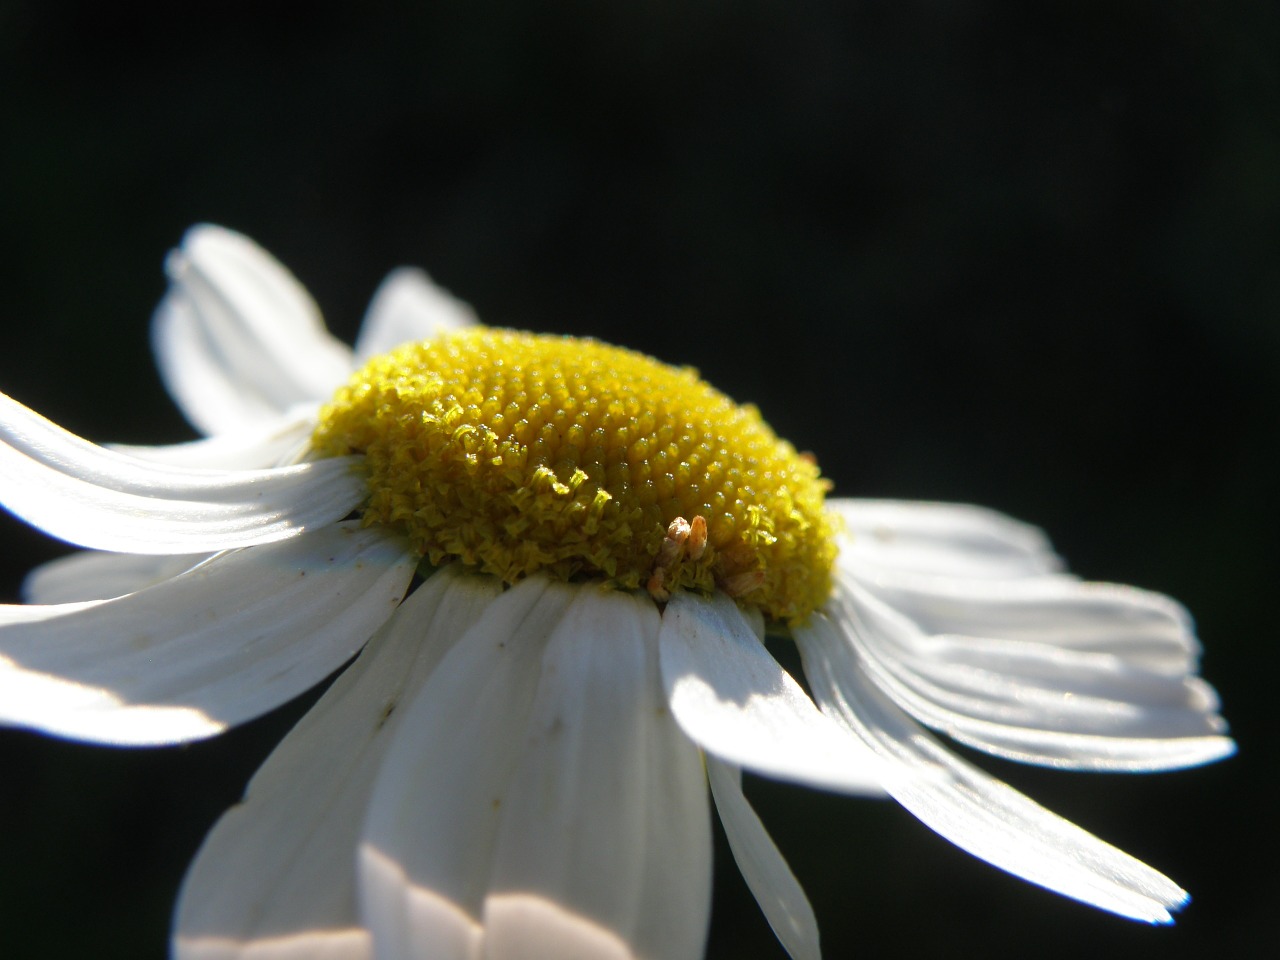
<point>1025,255</point>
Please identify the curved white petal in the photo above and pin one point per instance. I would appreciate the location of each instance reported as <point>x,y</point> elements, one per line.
<point>237,338</point>
<point>1045,703</point>
<point>605,826</point>
<point>775,887</point>
<point>1058,612</point>
<point>321,944</point>
<point>92,575</point>
<point>279,870</point>
<point>98,498</point>
<point>736,702</point>
<point>273,442</point>
<point>942,539</point>
<point>544,804</point>
<point>523,926</point>
<point>408,306</point>
<point>969,808</point>
<point>435,810</point>
<point>224,642</point>
<point>675,899</point>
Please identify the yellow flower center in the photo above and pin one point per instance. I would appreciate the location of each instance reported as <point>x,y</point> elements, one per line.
<point>516,452</point>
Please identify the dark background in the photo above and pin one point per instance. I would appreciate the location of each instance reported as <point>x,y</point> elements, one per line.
<point>1025,255</point>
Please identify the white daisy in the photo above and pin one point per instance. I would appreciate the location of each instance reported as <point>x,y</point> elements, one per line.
<point>517,761</point>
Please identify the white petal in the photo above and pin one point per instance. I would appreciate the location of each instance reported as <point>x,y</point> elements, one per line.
<point>539,791</point>
<point>942,539</point>
<point>407,307</point>
<point>436,806</point>
<point>280,868</point>
<point>339,944</point>
<point>1034,702</point>
<point>237,338</point>
<point>1054,611</point>
<point>969,808</point>
<point>101,499</point>
<point>775,887</point>
<point>735,701</point>
<point>531,927</point>
<point>272,443</point>
<point>605,832</point>
<point>222,643</point>
<point>677,882</point>
<point>90,575</point>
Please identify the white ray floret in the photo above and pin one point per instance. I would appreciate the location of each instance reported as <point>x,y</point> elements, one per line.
<point>94,575</point>
<point>408,306</point>
<point>281,441</point>
<point>942,539</point>
<point>1096,704</point>
<point>218,645</point>
<point>428,840</point>
<point>241,344</point>
<point>239,340</point>
<point>605,817</point>
<point>97,498</point>
<point>293,841</point>
<point>975,811</point>
<point>735,701</point>
<point>770,880</point>
<point>575,813</point>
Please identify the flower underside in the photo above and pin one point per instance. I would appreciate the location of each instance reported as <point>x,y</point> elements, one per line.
<point>517,453</point>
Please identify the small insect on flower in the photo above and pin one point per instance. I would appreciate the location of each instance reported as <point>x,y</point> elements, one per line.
<point>684,539</point>
<point>556,560</point>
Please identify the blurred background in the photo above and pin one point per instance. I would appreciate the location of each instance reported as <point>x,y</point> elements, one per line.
<point>1023,255</point>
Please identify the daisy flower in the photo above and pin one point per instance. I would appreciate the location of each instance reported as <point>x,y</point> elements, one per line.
<point>546,568</point>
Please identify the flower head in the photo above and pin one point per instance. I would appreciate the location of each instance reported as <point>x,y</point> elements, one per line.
<point>517,453</point>
<point>554,562</point>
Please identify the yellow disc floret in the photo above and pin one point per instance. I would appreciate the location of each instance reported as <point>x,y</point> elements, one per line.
<point>516,452</point>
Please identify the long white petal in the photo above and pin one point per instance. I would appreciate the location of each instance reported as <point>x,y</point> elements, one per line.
<point>92,575</point>
<point>320,944</point>
<point>942,539</point>
<point>1105,707</point>
<point>1053,611</point>
<point>677,880</point>
<point>333,944</point>
<point>582,850</point>
<point>976,812</point>
<point>735,701</point>
<point>775,887</point>
<point>224,642</point>
<point>102,499</point>
<point>274,442</point>
<point>280,868</point>
<point>408,306</point>
<point>237,338</point>
<point>435,810</point>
